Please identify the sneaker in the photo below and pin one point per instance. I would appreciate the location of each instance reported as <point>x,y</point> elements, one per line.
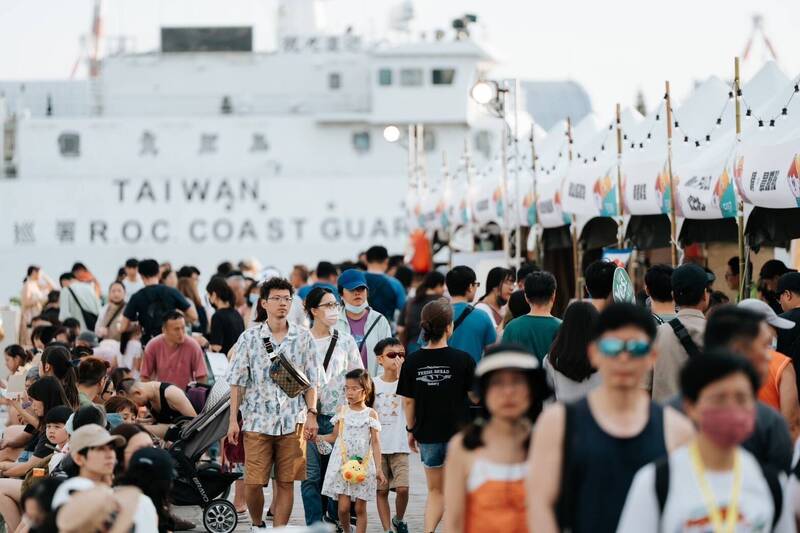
<point>399,525</point>
<point>258,529</point>
<point>270,516</point>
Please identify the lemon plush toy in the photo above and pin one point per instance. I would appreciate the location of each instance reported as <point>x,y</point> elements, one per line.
<point>354,469</point>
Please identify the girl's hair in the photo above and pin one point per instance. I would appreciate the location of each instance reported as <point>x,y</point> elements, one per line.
<point>217,285</point>
<point>125,385</point>
<point>362,376</point>
<point>539,391</point>
<point>261,313</point>
<point>117,282</point>
<point>314,298</point>
<point>117,404</point>
<point>127,431</point>
<point>431,280</point>
<point>187,287</point>
<point>435,318</point>
<point>495,279</point>
<point>49,391</point>
<point>158,490</point>
<point>568,353</point>
<point>58,357</point>
<point>18,352</point>
<point>127,336</point>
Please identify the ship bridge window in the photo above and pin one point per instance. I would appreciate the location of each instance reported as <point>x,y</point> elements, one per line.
<point>411,77</point>
<point>361,142</point>
<point>443,76</point>
<point>69,144</point>
<point>429,140</point>
<point>385,76</point>
<point>334,81</point>
<point>483,143</point>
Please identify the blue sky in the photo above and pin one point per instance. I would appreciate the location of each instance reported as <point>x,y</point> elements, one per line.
<point>613,48</point>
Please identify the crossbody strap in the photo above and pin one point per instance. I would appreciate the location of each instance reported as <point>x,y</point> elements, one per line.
<point>114,316</point>
<point>331,347</point>
<point>464,314</point>
<point>685,339</point>
<point>84,311</point>
<point>372,326</point>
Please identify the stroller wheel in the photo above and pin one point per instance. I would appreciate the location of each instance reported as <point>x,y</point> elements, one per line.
<point>220,517</point>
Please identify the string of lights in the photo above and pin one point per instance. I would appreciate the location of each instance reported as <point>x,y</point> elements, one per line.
<point>783,113</point>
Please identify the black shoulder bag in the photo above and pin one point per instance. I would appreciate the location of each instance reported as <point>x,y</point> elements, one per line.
<point>89,318</point>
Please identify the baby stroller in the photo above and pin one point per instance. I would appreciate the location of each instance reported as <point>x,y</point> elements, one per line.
<point>205,484</point>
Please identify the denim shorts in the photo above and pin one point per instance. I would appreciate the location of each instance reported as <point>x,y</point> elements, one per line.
<point>432,454</point>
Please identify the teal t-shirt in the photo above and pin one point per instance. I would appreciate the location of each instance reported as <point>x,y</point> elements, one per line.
<point>535,333</point>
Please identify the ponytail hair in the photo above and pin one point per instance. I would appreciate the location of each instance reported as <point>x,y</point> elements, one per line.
<point>18,352</point>
<point>362,376</point>
<point>435,318</point>
<point>58,357</point>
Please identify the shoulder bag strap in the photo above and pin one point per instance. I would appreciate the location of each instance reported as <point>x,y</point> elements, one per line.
<point>565,508</point>
<point>685,339</point>
<point>76,300</point>
<point>464,314</point>
<point>371,327</point>
<point>662,486</point>
<point>115,315</point>
<point>331,347</point>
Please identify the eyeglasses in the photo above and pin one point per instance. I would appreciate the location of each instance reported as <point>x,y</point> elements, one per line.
<point>476,283</point>
<point>612,347</point>
<point>329,305</point>
<point>392,355</point>
<point>354,389</point>
<point>280,299</point>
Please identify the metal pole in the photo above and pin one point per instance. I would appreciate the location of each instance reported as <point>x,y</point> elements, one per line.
<point>672,222</point>
<point>504,189</point>
<point>743,254</point>
<point>412,160</point>
<point>518,255</point>
<point>468,171</point>
<point>535,192</point>
<point>576,266</point>
<point>420,157</point>
<point>620,211</point>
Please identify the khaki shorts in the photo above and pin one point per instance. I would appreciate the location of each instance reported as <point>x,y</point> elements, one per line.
<point>287,453</point>
<point>395,469</point>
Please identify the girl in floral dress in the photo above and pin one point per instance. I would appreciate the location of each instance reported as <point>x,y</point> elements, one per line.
<point>358,447</point>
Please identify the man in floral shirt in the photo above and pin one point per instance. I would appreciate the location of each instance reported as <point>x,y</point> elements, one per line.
<point>275,426</point>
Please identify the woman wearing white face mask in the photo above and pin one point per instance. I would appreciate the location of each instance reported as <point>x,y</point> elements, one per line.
<point>337,354</point>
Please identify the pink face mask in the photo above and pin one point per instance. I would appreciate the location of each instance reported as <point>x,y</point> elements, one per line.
<point>727,426</point>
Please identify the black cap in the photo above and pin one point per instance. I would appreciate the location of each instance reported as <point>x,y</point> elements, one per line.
<point>152,463</point>
<point>789,282</point>
<point>773,268</point>
<point>689,278</point>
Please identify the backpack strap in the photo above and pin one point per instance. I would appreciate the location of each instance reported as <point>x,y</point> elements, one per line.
<point>658,319</point>
<point>685,339</point>
<point>662,485</point>
<point>565,507</point>
<point>464,314</point>
<point>775,490</point>
<point>331,347</point>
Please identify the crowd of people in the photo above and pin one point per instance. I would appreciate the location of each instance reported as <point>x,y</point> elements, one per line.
<point>677,412</point>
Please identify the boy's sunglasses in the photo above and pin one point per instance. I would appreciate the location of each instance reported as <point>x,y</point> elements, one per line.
<point>612,347</point>
<point>392,355</point>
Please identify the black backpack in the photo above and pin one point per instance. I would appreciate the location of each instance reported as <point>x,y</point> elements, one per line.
<point>153,317</point>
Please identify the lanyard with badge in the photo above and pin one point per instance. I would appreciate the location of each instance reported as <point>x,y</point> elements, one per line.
<point>714,514</point>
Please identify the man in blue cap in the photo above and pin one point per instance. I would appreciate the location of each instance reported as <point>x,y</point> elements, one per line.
<point>366,325</point>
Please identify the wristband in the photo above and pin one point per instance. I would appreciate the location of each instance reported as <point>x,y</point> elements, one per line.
<point>313,411</point>
<point>409,430</point>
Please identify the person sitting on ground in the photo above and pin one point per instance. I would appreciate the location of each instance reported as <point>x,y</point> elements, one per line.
<point>37,507</point>
<point>124,407</point>
<point>57,361</point>
<point>174,356</point>
<point>736,492</point>
<point>571,374</point>
<point>536,330</point>
<point>93,383</point>
<point>166,402</point>
<point>152,471</point>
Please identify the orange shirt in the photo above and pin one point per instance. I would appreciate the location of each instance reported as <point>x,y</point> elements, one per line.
<point>770,392</point>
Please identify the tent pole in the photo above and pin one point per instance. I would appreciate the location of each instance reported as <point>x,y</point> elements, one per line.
<point>535,193</point>
<point>504,189</point>
<point>743,274</point>
<point>517,198</point>
<point>672,223</point>
<point>574,226</point>
<point>620,235</point>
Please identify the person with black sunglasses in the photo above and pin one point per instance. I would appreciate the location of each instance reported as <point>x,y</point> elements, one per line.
<point>394,441</point>
<point>585,454</point>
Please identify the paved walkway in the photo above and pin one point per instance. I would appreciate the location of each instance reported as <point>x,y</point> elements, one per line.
<point>414,515</point>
